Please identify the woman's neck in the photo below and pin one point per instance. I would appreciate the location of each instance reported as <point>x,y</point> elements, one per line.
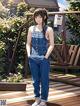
<point>39,27</point>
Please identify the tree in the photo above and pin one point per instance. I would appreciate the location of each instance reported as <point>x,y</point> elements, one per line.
<point>73,23</point>
<point>9,30</point>
<point>22,8</point>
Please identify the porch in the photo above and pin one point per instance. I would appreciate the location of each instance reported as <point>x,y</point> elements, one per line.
<point>60,93</point>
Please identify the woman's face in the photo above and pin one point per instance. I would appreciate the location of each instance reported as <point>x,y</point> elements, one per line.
<point>39,20</point>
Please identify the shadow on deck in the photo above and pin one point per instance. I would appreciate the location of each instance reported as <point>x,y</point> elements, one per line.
<point>60,94</point>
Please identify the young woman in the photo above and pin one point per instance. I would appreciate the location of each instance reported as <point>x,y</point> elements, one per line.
<point>40,43</point>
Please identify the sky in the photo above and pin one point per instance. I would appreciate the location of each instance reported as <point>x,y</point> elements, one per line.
<point>62,4</point>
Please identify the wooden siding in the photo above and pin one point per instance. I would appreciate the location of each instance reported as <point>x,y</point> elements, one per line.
<point>43,3</point>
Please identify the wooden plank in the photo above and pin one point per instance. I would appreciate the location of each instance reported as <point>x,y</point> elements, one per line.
<point>60,94</point>
<point>53,13</point>
<point>65,67</point>
<point>59,58</point>
<point>12,86</point>
<point>77,57</point>
<point>72,51</point>
<point>71,101</point>
<point>72,81</point>
<point>73,60</point>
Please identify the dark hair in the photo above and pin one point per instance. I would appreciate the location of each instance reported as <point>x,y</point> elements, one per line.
<point>43,13</point>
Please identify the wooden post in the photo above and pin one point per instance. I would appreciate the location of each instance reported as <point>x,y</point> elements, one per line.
<point>63,34</point>
<point>26,64</point>
<point>15,47</point>
<point>14,52</point>
<point>64,45</point>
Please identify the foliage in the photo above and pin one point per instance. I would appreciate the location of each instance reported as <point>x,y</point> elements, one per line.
<point>58,39</point>
<point>9,29</point>
<point>3,11</point>
<point>73,24</point>
<point>2,58</point>
<point>10,24</point>
<point>22,8</point>
<point>13,78</point>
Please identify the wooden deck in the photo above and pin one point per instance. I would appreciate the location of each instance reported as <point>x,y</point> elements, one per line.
<point>60,94</point>
<point>66,78</point>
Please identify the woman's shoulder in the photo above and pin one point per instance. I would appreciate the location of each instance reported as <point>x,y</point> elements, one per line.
<point>31,28</point>
<point>49,28</point>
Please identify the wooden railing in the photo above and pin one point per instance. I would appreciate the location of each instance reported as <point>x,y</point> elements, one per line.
<point>72,61</point>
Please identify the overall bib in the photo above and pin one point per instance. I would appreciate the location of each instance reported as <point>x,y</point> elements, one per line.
<point>39,65</point>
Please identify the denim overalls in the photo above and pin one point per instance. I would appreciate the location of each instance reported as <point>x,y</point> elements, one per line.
<point>39,65</point>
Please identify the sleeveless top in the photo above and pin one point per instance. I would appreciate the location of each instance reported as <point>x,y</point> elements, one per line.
<point>39,44</point>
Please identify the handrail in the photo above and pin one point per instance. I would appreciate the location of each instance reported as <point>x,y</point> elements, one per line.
<point>53,13</point>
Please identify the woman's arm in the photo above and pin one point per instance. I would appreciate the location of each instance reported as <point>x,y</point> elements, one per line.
<point>28,44</point>
<point>51,40</point>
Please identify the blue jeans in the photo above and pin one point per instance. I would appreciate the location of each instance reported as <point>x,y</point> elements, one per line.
<point>40,74</point>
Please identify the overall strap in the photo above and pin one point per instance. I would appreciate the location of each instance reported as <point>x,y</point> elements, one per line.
<point>45,29</point>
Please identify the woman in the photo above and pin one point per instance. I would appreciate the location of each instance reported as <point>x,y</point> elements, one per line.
<point>40,43</point>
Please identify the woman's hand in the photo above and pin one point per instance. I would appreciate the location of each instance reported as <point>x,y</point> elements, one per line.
<point>45,57</point>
